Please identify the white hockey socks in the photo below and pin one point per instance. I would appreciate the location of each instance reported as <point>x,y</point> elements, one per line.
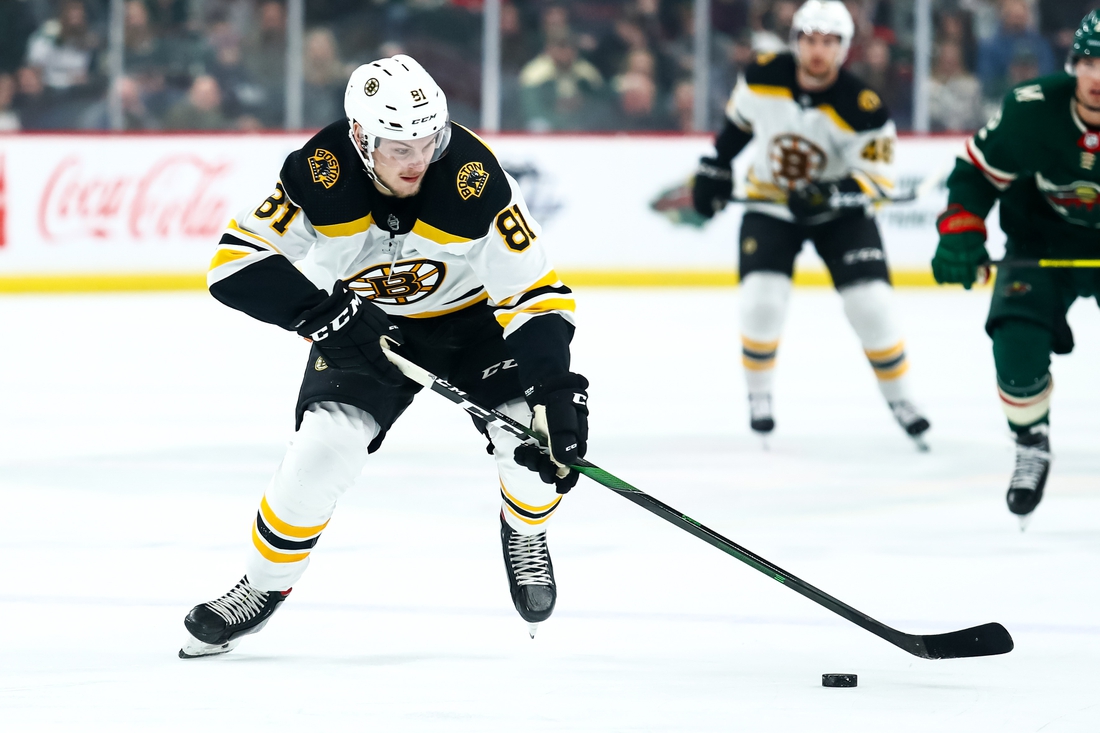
<point>868,306</point>
<point>323,460</point>
<point>526,503</point>
<point>764,300</point>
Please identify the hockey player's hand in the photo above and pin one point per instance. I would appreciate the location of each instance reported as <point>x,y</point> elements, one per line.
<point>560,405</point>
<point>712,187</point>
<point>961,250</point>
<point>347,329</point>
<point>816,202</point>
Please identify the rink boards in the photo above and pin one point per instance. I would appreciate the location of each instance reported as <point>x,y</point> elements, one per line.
<point>98,212</point>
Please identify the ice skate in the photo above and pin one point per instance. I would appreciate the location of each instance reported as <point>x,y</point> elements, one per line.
<point>216,627</point>
<point>760,415</point>
<point>912,422</point>
<point>530,575</point>
<point>1025,490</point>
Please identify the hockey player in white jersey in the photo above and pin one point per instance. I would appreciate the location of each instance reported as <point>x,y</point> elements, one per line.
<point>823,156</point>
<point>397,223</point>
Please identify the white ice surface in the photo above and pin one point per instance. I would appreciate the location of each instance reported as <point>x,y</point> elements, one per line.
<point>137,434</point>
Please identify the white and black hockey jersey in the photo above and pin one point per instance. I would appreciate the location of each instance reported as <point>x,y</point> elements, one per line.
<point>803,136</point>
<point>466,238</point>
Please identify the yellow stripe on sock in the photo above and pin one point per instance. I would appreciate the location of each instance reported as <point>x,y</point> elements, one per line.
<point>302,533</point>
<point>271,554</point>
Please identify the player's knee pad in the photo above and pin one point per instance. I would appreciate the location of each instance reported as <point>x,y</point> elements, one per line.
<point>526,502</point>
<point>868,306</point>
<point>322,461</point>
<point>764,299</point>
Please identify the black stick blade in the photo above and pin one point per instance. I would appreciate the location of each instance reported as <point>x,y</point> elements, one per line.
<point>980,641</point>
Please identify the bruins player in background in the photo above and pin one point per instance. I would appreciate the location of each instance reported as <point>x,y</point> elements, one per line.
<point>823,155</point>
<point>396,223</point>
<point>1038,157</point>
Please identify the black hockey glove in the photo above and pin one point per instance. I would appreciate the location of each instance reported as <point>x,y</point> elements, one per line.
<point>712,187</point>
<point>347,329</point>
<point>560,405</point>
<point>819,201</point>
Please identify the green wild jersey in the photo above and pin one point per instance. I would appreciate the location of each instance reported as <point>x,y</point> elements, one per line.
<point>1040,160</point>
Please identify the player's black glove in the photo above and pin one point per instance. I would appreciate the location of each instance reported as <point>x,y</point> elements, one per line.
<point>560,405</point>
<point>819,201</point>
<point>961,250</point>
<point>712,187</point>
<point>347,329</point>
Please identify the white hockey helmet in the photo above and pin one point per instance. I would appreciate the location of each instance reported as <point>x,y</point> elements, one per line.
<point>823,16</point>
<point>395,99</point>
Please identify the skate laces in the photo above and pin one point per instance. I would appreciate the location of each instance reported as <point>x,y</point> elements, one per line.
<point>904,412</point>
<point>529,558</point>
<point>240,604</point>
<point>1031,461</point>
<point>760,405</point>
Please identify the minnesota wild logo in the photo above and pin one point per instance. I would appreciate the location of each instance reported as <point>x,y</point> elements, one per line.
<point>1077,202</point>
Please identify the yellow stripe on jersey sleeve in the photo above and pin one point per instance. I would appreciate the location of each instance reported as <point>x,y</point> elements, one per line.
<point>548,279</point>
<point>538,307</point>
<point>223,256</point>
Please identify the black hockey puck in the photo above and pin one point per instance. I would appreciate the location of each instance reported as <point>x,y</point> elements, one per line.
<point>838,680</point>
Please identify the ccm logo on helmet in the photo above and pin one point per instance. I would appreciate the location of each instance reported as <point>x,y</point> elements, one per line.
<point>425,119</point>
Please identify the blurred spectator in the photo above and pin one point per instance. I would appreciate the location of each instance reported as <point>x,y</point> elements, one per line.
<point>9,119</point>
<point>954,95</point>
<point>637,96</point>
<point>64,49</point>
<point>683,106</point>
<point>135,115</point>
<point>774,31</point>
<point>241,95</point>
<point>878,71</point>
<point>31,101</point>
<point>560,90</point>
<point>265,60</point>
<point>957,28</point>
<point>1059,19</point>
<point>1014,39</point>
<point>144,51</point>
<point>325,79</point>
<point>16,26</point>
<point>169,16</point>
<point>201,110</point>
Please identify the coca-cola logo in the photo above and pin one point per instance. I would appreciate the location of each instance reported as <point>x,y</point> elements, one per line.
<point>170,197</point>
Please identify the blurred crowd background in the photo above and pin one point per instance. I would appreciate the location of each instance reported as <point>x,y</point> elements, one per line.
<point>596,65</point>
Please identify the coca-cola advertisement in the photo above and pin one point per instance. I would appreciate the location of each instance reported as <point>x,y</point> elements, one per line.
<point>132,204</point>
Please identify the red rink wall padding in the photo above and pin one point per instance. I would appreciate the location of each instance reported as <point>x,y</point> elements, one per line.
<point>89,212</point>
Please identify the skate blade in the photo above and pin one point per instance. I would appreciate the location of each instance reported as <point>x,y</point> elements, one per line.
<point>919,441</point>
<point>193,648</point>
<point>1025,519</point>
<point>531,629</point>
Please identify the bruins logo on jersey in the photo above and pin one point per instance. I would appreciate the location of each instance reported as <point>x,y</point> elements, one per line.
<point>763,59</point>
<point>868,101</point>
<point>749,246</point>
<point>794,160</point>
<point>324,168</point>
<point>472,178</point>
<point>406,282</point>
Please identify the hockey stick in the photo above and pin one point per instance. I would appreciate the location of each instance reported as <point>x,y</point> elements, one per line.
<point>979,641</point>
<point>899,199</point>
<point>1031,263</point>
